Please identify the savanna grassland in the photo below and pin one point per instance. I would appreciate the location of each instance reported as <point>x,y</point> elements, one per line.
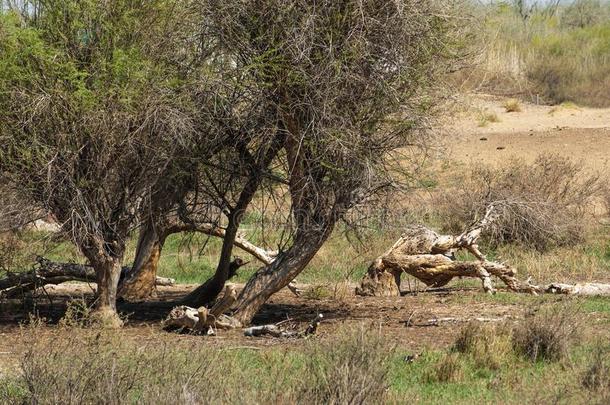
<point>531,125</point>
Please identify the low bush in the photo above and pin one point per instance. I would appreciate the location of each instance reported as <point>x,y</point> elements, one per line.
<point>549,334</point>
<point>541,204</point>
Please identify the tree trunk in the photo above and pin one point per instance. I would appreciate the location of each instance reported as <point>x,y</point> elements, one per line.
<point>270,279</point>
<point>140,282</point>
<point>108,273</point>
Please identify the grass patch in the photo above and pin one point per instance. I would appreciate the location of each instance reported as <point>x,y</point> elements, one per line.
<point>487,117</point>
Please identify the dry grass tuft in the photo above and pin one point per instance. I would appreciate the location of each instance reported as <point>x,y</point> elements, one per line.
<point>317,292</point>
<point>512,105</point>
<point>352,370</point>
<point>597,375</point>
<point>547,335</point>
<point>101,367</point>
<point>448,369</point>
<point>488,345</point>
<point>542,204</point>
<point>486,117</point>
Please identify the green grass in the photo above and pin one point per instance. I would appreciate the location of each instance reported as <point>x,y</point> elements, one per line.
<point>290,373</point>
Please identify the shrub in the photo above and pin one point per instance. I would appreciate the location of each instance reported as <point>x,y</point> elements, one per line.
<point>353,370</point>
<point>512,105</point>
<point>547,335</point>
<point>541,205</point>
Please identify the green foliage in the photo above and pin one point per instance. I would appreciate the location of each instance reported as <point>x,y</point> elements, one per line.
<point>561,56</point>
<point>91,109</point>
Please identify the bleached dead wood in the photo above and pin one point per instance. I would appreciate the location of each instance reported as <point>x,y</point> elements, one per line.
<point>587,289</point>
<point>442,320</point>
<point>203,320</point>
<point>274,330</point>
<point>430,257</point>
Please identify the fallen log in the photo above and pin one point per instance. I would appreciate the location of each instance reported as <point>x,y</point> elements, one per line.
<point>430,257</point>
<point>587,289</point>
<point>47,272</point>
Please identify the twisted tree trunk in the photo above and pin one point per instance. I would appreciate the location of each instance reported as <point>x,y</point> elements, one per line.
<point>272,278</point>
<point>140,281</point>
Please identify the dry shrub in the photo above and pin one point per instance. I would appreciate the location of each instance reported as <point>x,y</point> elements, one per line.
<point>548,334</point>
<point>102,367</point>
<point>541,204</point>
<point>512,105</point>
<point>353,370</point>
<point>488,345</point>
<point>448,369</point>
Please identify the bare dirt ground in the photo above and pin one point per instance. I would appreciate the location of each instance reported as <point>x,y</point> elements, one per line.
<point>582,134</point>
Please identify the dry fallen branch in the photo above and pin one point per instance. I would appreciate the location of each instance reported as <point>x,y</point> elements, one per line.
<point>47,272</point>
<point>444,320</point>
<point>275,330</point>
<point>429,257</point>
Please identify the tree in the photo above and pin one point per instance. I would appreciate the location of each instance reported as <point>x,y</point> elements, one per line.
<point>91,114</point>
<point>351,83</point>
<point>584,13</point>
